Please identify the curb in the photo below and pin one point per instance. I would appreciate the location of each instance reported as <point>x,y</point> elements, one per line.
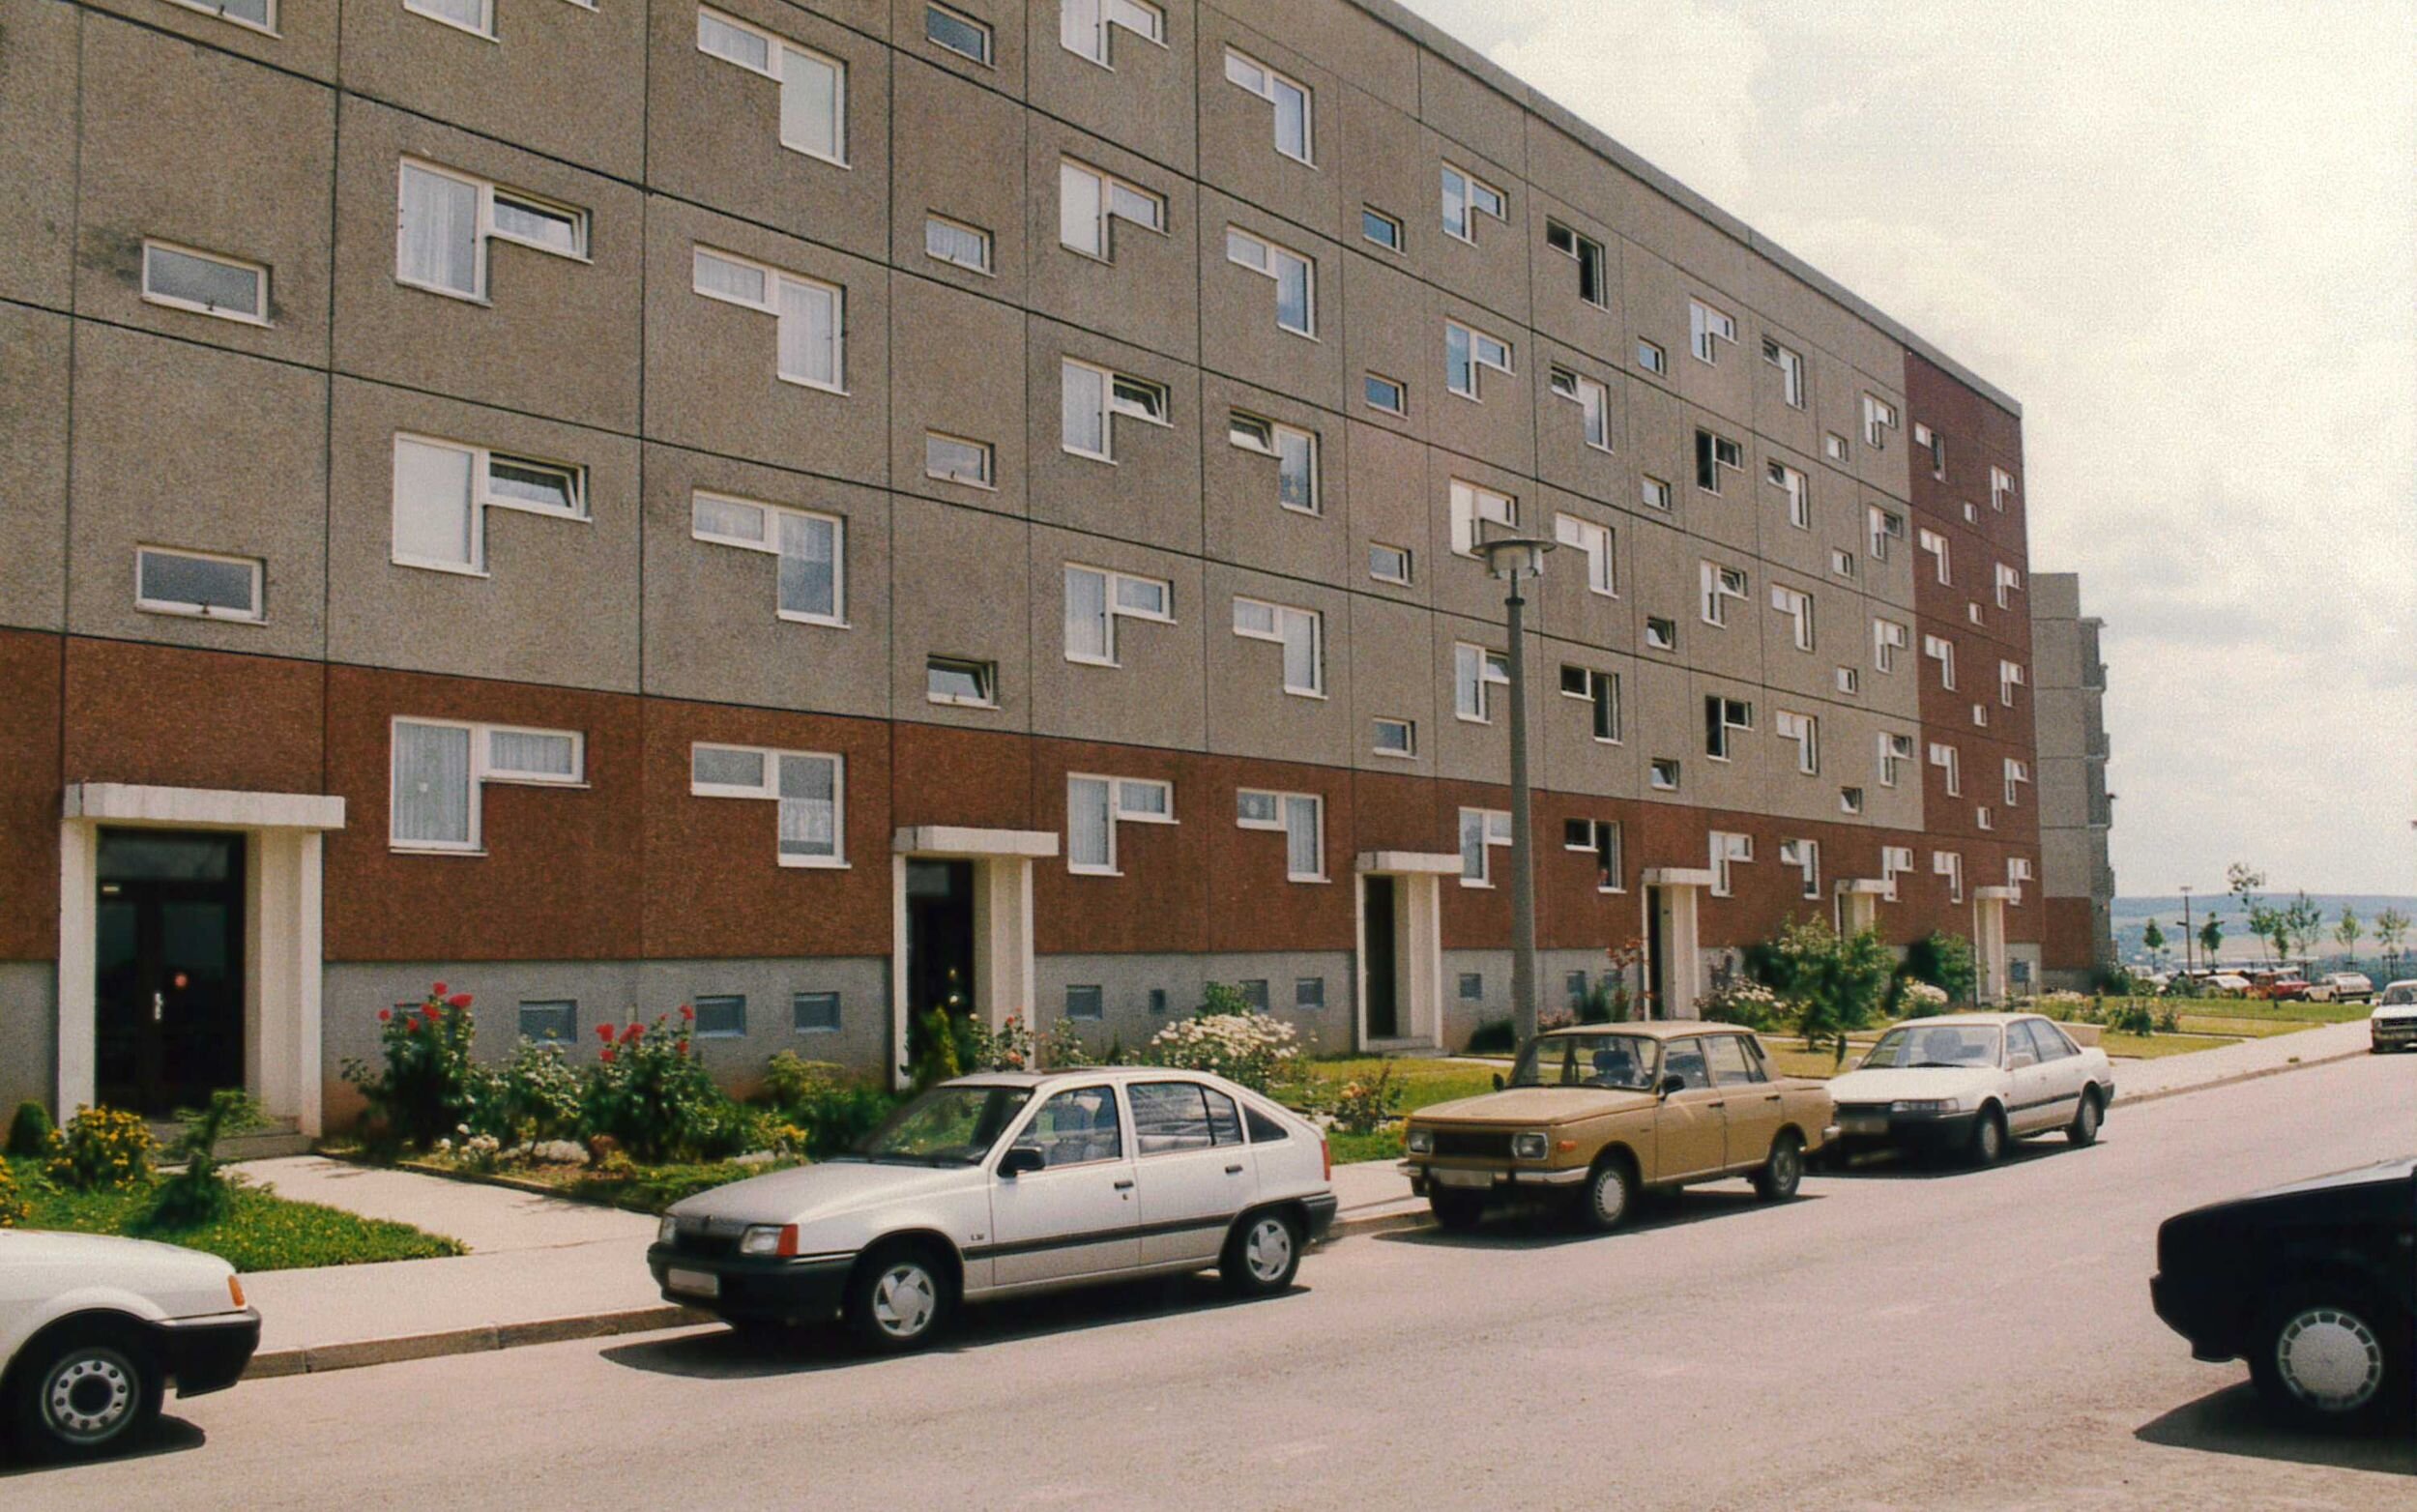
<point>317,1359</point>
<point>2296,1063</point>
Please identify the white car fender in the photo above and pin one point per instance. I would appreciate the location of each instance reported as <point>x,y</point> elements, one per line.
<point>21,1320</point>
<point>962,1215</point>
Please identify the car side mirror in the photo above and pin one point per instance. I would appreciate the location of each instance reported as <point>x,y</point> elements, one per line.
<point>1498,1081</point>
<point>1670,1084</point>
<point>1018,1161</point>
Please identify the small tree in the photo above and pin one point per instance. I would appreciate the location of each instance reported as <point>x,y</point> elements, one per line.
<point>2273,928</point>
<point>1945,961</point>
<point>2210,940</point>
<point>2153,941</point>
<point>1835,982</point>
<point>2303,924</point>
<point>2391,929</point>
<point>2349,932</point>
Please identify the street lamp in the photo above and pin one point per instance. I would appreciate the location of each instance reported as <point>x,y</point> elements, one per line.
<point>1511,557</point>
<point>2186,934</point>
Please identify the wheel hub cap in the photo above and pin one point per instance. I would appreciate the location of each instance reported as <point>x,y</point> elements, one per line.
<point>89,1395</point>
<point>904,1302</point>
<point>1611,1198</point>
<point>2330,1359</point>
<point>1269,1249</point>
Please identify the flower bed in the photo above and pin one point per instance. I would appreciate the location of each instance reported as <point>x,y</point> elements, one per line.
<point>260,1230</point>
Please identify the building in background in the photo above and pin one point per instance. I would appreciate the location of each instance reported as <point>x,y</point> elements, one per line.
<point>823,510</point>
<point>2076,811</point>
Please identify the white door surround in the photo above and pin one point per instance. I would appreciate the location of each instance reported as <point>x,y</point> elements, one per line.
<point>282,960</point>
<point>1989,940</point>
<point>1680,889</point>
<point>1858,903</point>
<point>1002,919</point>
<point>1417,945</point>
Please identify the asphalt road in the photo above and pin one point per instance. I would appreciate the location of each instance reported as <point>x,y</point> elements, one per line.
<point>1976,1339</point>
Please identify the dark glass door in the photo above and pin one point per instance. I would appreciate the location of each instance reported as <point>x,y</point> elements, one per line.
<point>168,1000</point>
<point>940,937</point>
<point>1377,954</point>
<point>1656,961</point>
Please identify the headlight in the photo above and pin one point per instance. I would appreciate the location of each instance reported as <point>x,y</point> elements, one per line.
<point>1420,1142</point>
<point>668,1231</point>
<point>1928,1105</point>
<point>1529,1146</point>
<point>770,1239</point>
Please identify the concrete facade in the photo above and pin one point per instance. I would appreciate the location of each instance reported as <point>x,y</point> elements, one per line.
<point>617,620</point>
<point>2077,812</point>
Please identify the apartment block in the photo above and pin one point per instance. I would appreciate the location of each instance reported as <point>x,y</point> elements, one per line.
<point>824,510</point>
<point>2076,811</point>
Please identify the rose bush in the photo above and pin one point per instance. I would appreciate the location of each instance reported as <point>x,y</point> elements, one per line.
<point>425,1083</point>
<point>1249,1048</point>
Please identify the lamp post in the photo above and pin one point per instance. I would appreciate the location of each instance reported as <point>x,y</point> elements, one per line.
<point>2186,934</point>
<point>1512,557</point>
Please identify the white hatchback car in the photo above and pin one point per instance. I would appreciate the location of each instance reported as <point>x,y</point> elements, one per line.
<point>2393,1024</point>
<point>1002,1184</point>
<point>1970,1082</point>
<point>93,1329</point>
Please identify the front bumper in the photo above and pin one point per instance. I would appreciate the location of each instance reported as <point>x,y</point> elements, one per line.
<point>2393,1033</point>
<point>1486,1179</point>
<point>755,1289</point>
<point>1863,1129</point>
<point>207,1354</point>
<point>2180,1310</point>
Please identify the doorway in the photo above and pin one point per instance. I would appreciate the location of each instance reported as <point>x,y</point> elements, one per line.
<point>168,967</point>
<point>1656,957</point>
<point>1381,953</point>
<point>940,938</point>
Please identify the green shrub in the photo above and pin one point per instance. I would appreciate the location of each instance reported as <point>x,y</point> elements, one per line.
<point>534,1095</point>
<point>1494,1038</point>
<point>2131,1017</point>
<point>651,1096</point>
<point>833,1107</point>
<point>29,1131</point>
<point>202,1193</point>
<point>101,1149</point>
<point>1747,1003</point>
<point>1363,1107</point>
<point>426,1086</point>
<point>1836,982</point>
<point>13,1207</point>
<point>1248,1048</point>
<point>1945,961</point>
<point>937,1055</point>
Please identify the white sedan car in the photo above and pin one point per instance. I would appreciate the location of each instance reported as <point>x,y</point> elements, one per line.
<point>999,1185</point>
<point>1970,1082</point>
<point>93,1329</point>
<point>2393,1025</point>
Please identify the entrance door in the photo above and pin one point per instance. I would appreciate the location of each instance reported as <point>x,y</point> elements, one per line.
<point>168,990</point>
<point>940,938</point>
<point>1378,956</point>
<point>1656,958</point>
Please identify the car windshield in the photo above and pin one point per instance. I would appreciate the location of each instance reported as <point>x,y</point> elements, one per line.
<point>1911,1046</point>
<point>947,1126</point>
<point>1623,1062</point>
<point>2399,997</point>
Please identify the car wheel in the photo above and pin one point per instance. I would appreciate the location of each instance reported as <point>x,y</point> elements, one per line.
<point>1458,1211</point>
<point>898,1297</point>
<point>1262,1255</point>
<point>2082,1131</point>
<point>1780,1175</point>
<point>1989,1136</point>
<point>2328,1358</point>
<point>1610,1190</point>
<point>84,1392</point>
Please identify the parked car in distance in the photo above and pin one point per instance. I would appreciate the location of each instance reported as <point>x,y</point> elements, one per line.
<point>2392,1025</point>
<point>1968,1083</point>
<point>94,1329</point>
<point>2279,987</point>
<point>2343,987</point>
<point>2311,1283</point>
<point>2225,984</point>
<point>1002,1184</point>
<point>1598,1113</point>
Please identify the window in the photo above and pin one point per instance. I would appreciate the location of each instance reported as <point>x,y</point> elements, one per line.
<point>1466,350</point>
<point>1302,632</point>
<point>1481,831</point>
<point>1389,395</point>
<point>1089,198</point>
<point>1295,450</point>
<point>814,1012</point>
<point>1388,563</point>
<point>1934,446</point>
<point>1805,731</point>
<point>1971,517</point>
<point>1096,598</point>
<point>1728,851</point>
<point>1586,252</point>
<point>550,1021</point>
<point>1712,453</point>
<point>955,242</point>
<point>205,282</point>
<point>1309,994</point>
<point>1471,504</point>
<point>1849,682</point>
<point>1894,751</point>
<point>811,788</point>
<point>2010,676</point>
<point>1948,760</point>
<point>1663,773</point>
<point>1476,673</point>
<point>1950,865</point>
<point>1707,329</point>
<point>1895,861</point>
<point>1597,543</point>
<point>1805,856</point>
<point>1655,492</point>
<point>812,581</point>
<point>443,490</point>
<point>1472,986</point>
<point>445,220</point>
<point>258,15</point>
<point>813,86</point>
<point>1179,1116</point>
<point>1600,838</point>
<point>1465,198</point>
<point>1660,633</point>
<point>1936,546</point>
<point>1291,101</point>
<point>2018,778</point>
<point>1158,1004</point>
<point>722,1017</point>
<point>1397,738</point>
<point>1094,397</point>
<point>954,680</point>
<point>1850,801</point>
<point>2009,581</point>
<point>1599,691</point>
<point>1095,805</point>
<point>1374,225</point>
<point>476,17</point>
<point>1295,276</point>
<point>810,316</point>
<point>1723,716</point>
<point>1885,527</point>
<point>1594,401</point>
<point>1799,495</point>
<point>1797,605</point>
<point>2019,872</point>
<point>1721,584</point>
<point>1980,716</point>
<point>1651,358</point>
<point>1791,364</point>
<point>195,583</point>
<point>440,767</point>
<point>955,459</point>
<point>1939,649</point>
<point>959,33</point>
<point>1083,26</point>
<point>1879,418</point>
<point>1300,817</point>
<point>1842,562</point>
<point>1834,446</point>
<point>2000,488</point>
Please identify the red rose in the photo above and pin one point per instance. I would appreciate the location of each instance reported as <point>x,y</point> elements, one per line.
<point>687,1012</point>
<point>459,1000</point>
<point>437,991</point>
<point>631,1034</point>
<point>604,1032</point>
<point>410,1025</point>
<point>431,1012</point>
<point>385,1014</point>
<point>605,1055</point>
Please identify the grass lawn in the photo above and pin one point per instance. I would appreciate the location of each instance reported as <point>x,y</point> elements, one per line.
<point>639,1189</point>
<point>2298,1013</point>
<point>2242,1029</point>
<point>1424,1083</point>
<point>2156,1047</point>
<point>264,1232</point>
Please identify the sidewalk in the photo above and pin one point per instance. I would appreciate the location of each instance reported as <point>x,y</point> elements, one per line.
<point>2139,1081</point>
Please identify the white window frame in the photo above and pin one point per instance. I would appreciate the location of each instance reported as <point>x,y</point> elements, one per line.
<point>1797,605</point>
<point>1708,327</point>
<point>985,678</point>
<point>1653,357</point>
<point>1472,504</point>
<point>1935,544</point>
<point>1279,616</point>
<point>1882,525</point>
<point>1401,232</point>
<point>1494,833</point>
<point>1593,400</point>
<point>1491,670</point>
<point>481,772</point>
<point>1118,610</point>
<point>2000,488</point>
<point>776,50</point>
<point>1842,560</point>
<point>1792,483</point>
<point>1471,202</point>
<point>1608,879</point>
<point>1575,252</point>
<point>1653,774</point>
<point>1718,590</point>
<point>1410,564</point>
<point>1804,731</point>
<point>1729,849</point>
<point>267,26</point>
<point>1655,492</point>
<point>2010,675</point>
<point>1950,761</point>
<point>256,614</point>
<point>1600,694</point>
<point>1939,649</point>
<point>1281,808</point>
<point>989,475</point>
<point>1082,27</point>
<point>1477,342</point>
<point>1708,449</point>
<point>1267,260</point>
<point>1950,865</point>
<point>1661,632</point>
<point>1791,364</point>
<point>1895,750</point>
<point>1888,637</point>
<point>2009,579</point>
<point>981,28</point>
<point>1805,856</point>
<point>1599,544</point>
<point>1270,85</point>
<point>485,27</point>
<point>1849,682</point>
<point>769,545</point>
<point>483,498</point>
<point>2018,774</point>
<point>1407,750</point>
<point>1400,390</point>
<point>484,229</point>
<point>1119,811</point>
<point>1724,728</point>
<point>1106,209</point>
<point>1850,799</point>
<point>258,271</point>
<point>1112,405</point>
<point>774,280</point>
<point>770,789</point>
<point>981,238</point>
<point>1879,416</point>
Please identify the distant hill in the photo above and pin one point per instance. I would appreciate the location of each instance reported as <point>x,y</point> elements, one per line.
<point>2132,915</point>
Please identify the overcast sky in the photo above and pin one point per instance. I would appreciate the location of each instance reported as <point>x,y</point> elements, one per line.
<point>2183,233</point>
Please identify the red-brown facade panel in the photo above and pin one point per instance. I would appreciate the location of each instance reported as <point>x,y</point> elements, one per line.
<point>978,779</point>
<point>1253,903</point>
<point>171,717</point>
<point>1158,900</point>
<point>29,795</point>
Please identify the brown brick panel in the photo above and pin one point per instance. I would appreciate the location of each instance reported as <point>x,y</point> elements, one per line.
<point>2067,943</point>
<point>1160,903</point>
<point>29,795</point>
<point>944,776</point>
<point>1252,904</point>
<point>169,716</point>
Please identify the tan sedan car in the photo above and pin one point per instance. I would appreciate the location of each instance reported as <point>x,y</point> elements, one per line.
<point>1599,1113</point>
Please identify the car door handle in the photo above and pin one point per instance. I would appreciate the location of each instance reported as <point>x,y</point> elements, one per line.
<point>1125,1185</point>
<point>1234,1171</point>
